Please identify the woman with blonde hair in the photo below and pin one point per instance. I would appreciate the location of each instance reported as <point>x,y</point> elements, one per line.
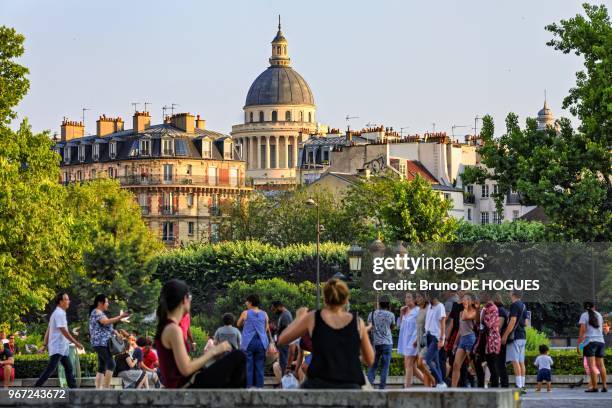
<point>338,339</point>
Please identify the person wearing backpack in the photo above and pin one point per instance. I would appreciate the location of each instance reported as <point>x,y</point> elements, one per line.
<point>515,339</point>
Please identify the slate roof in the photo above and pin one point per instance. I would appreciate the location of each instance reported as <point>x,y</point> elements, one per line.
<point>186,145</point>
<point>279,85</point>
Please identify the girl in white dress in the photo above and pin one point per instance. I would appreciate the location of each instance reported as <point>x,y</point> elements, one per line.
<point>407,344</point>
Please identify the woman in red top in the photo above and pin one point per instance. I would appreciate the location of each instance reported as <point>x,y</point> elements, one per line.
<point>220,367</point>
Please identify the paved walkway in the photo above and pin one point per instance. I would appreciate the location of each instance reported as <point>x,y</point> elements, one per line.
<point>565,398</point>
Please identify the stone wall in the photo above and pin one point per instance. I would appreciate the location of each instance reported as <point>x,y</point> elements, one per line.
<point>476,398</point>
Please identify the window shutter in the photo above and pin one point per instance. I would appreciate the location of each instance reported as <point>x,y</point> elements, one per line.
<point>160,204</point>
<point>175,203</point>
<point>176,230</point>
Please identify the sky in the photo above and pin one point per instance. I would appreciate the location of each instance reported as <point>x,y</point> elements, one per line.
<point>402,63</point>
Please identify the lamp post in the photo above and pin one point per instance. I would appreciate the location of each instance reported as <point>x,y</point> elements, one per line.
<point>312,202</point>
<point>354,255</point>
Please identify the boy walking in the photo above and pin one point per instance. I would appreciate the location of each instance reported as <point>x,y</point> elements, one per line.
<point>544,362</point>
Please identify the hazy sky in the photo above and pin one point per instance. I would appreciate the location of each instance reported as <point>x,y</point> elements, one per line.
<point>398,63</point>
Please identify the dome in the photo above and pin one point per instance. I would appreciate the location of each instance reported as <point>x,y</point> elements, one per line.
<point>545,111</point>
<point>279,85</point>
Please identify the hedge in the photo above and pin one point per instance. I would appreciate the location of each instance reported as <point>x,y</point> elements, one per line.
<point>32,365</point>
<point>209,268</point>
<point>564,363</point>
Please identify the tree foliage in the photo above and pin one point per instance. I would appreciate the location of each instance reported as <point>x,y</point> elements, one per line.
<point>515,231</point>
<point>13,82</point>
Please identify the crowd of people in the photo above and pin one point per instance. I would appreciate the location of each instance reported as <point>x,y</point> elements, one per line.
<point>459,341</point>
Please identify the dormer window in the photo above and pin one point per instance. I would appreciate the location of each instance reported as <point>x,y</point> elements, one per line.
<point>227,150</point>
<point>95,152</point>
<point>167,147</point>
<point>112,150</point>
<point>81,153</point>
<point>67,154</point>
<point>145,147</point>
<point>206,149</point>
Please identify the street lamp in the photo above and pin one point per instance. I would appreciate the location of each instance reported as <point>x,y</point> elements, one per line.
<point>354,255</point>
<point>312,202</point>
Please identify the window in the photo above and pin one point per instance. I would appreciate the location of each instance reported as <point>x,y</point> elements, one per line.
<point>233,176</point>
<point>214,232</point>
<point>484,191</point>
<point>288,116</point>
<point>227,150</point>
<point>262,156</point>
<point>261,116</point>
<point>67,154</point>
<point>167,147</point>
<point>79,175</point>
<point>447,196</point>
<point>470,189</point>
<point>484,218</point>
<point>111,172</point>
<point>142,199</point>
<point>309,116</point>
<point>469,214</point>
<point>301,116</point>
<point>168,231</point>
<point>206,149</point>
<point>95,153</point>
<point>212,176</point>
<point>326,156</point>
<point>290,158</point>
<point>66,177</point>
<point>167,204</point>
<point>112,150</point>
<point>515,214</point>
<point>274,116</point>
<point>403,168</point>
<point>189,200</point>
<point>495,189</point>
<point>168,173</point>
<point>81,153</point>
<point>145,147</point>
<point>272,156</point>
<point>93,174</point>
<point>191,228</point>
<point>497,217</point>
<point>189,169</point>
<point>251,117</point>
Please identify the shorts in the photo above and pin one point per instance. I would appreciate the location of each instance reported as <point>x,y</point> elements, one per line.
<point>594,349</point>
<point>515,351</point>
<point>106,362</point>
<point>467,342</point>
<point>12,374</point>
<point>544,374</point>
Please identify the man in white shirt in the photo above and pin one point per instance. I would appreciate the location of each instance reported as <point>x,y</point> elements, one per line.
<point>57,340</point>
<point>435,322</point>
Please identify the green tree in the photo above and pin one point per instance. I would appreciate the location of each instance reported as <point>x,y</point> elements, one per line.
<point>33,233</point>
<point>394,209</point>
<point>13,82</point>
<point>117,248</point>
<point>567,173</point>
<point>247,218</point>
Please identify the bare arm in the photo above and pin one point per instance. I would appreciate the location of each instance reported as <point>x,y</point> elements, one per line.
<point>367,353</point>
<point>442,332</point>
<point>172,338</point>
<point>241,319</point>
<point>67,335</point>
<point>581,334</point>
<point>296,329</point>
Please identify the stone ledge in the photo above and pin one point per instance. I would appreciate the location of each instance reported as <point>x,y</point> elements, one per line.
<point>431,398</point>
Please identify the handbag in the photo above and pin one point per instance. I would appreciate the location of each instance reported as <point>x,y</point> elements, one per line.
<point>115,345</point>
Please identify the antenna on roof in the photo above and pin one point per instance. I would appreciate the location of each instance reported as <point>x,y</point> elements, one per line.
<point>145,105</point>
<point>172,108</point>
<point>456,127</point>
<point>348,118</point>
<point>476,119</point>
<point>164,109</point>
<point>135,105</point>
<point>433,125</point>
<point>402,130</point>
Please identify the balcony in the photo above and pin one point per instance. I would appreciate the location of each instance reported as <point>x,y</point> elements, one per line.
<point>176,180</point>
<point>168,210</point>
<point>469,198</point>
<point>215,211</point>
<point>169,240</point>
<point>145,209</point>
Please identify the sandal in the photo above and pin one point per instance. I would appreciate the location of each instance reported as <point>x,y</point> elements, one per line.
<point>591,390</point>
<point>604,389</point>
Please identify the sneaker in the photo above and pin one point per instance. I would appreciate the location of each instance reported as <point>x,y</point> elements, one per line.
<point>442,386</point>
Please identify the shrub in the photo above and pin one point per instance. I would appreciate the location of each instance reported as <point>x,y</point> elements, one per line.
<point>209,268</point>
<point>32,365</point>
<point>535,339</point>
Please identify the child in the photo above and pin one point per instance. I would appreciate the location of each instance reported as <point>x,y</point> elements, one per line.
<point>544,362</point>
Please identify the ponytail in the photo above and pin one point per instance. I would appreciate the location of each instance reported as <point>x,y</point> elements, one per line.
<point>593,320</point>
<point>172,294</point>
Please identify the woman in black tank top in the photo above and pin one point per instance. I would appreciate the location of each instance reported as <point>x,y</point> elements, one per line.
<point>335,350</point>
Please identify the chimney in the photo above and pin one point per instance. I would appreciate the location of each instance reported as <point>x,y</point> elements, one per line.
<point>142,120</point>
<point>72,129</point>
<point>200,123</point>
<point>184,121</point>
<point>106,126</point>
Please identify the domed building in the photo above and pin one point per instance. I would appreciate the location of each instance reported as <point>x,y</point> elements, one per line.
<point>279,114</point>
<point>546,118</point>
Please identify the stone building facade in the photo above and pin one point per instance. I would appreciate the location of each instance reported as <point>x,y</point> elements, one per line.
<point>180,173</point>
